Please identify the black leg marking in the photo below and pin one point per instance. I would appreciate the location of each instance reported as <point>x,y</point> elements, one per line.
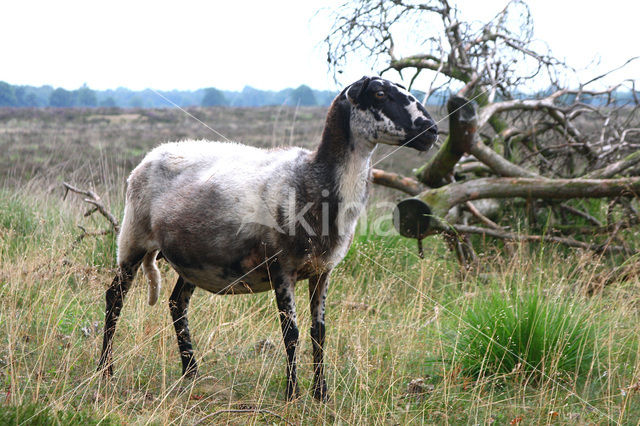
<point>178,305</point>
<point>285,299</point>
<point>317,295</point>
<point>115,298</point>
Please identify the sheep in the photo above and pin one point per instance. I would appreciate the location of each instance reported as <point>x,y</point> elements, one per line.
<point>234,219</point>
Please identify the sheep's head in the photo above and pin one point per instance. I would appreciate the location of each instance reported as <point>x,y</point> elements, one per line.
<point>385,112</point>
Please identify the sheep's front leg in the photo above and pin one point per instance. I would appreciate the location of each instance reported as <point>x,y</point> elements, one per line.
<point>317,295</point>
<point>178,305</point>
<point>285,299</point>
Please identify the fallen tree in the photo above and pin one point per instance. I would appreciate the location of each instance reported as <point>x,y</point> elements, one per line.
<point>536,154</point>
<point>441,200</point>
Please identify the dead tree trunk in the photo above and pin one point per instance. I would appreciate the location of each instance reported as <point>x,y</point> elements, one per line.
<point>441,200</point>
<point>462,131</point>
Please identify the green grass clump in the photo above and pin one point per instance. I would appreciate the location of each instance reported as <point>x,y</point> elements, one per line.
<point>18,222</point>
<point>34,414</point>
<point>530,334</point>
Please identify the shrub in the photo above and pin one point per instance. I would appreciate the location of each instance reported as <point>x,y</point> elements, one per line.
<point>531,334</point>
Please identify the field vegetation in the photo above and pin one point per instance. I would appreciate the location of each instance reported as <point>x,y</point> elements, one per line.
<point>529,334</point>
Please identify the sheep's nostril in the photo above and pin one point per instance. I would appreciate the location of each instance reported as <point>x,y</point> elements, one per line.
<point>429,126</point>
<point>425,125</point>
<point>420,122</point>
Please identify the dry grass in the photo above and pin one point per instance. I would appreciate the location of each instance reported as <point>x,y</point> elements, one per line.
<point>390,320</point>
<point>101,146</point>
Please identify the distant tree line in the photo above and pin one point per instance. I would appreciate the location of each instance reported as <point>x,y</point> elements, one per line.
<point>47,96</point>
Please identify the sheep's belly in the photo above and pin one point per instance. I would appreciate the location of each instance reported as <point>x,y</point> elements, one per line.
<point>220,280</point>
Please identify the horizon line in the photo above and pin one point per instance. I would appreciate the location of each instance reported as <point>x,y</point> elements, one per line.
<point>164,90</point>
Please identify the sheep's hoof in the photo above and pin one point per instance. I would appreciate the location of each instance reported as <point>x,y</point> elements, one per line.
<point>189,368</point>
<point>320,392</point>
<point>293,392</point>
<point>190,373</point>
<point>107,371</point>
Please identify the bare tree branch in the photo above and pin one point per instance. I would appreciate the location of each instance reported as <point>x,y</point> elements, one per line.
<point>442,199</point>
<point>615,168</point>
<point>474,167</point>
<point>477,213</point>
<point>396,181</point>
<point>497,163</point>
<point>570,242</point>
<point>96,201</point>
<point>580,213</point>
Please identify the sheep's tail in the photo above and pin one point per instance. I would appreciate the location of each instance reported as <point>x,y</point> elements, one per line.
<point>152,272</point>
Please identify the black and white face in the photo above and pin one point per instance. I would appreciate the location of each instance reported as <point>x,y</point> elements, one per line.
<point>385,112</point>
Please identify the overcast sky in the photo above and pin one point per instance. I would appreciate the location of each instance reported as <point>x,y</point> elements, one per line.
<point>264,44</point>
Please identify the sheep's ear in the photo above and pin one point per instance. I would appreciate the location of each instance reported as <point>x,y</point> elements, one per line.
<point>356,90</point>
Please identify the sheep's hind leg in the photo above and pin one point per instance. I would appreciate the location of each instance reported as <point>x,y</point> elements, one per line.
<point>178,305</point>
<point>317,295</point>
<point>115,297</point>
<point>285,299</point>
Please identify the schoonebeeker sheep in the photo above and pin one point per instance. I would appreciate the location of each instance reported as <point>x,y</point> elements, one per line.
<point>234,219</point>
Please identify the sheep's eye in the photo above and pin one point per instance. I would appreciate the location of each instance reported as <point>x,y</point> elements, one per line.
<point>380,94</point>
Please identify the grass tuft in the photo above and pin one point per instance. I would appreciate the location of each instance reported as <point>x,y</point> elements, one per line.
<point>530,334</point>
<point>36,415</point>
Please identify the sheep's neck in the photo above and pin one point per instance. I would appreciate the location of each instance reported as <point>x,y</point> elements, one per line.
<point>346,156</point>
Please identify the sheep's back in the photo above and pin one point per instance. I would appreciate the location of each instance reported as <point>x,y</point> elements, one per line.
<point>211,200</point>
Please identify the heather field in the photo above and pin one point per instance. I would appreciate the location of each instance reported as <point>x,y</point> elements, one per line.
<point>531,334</point>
